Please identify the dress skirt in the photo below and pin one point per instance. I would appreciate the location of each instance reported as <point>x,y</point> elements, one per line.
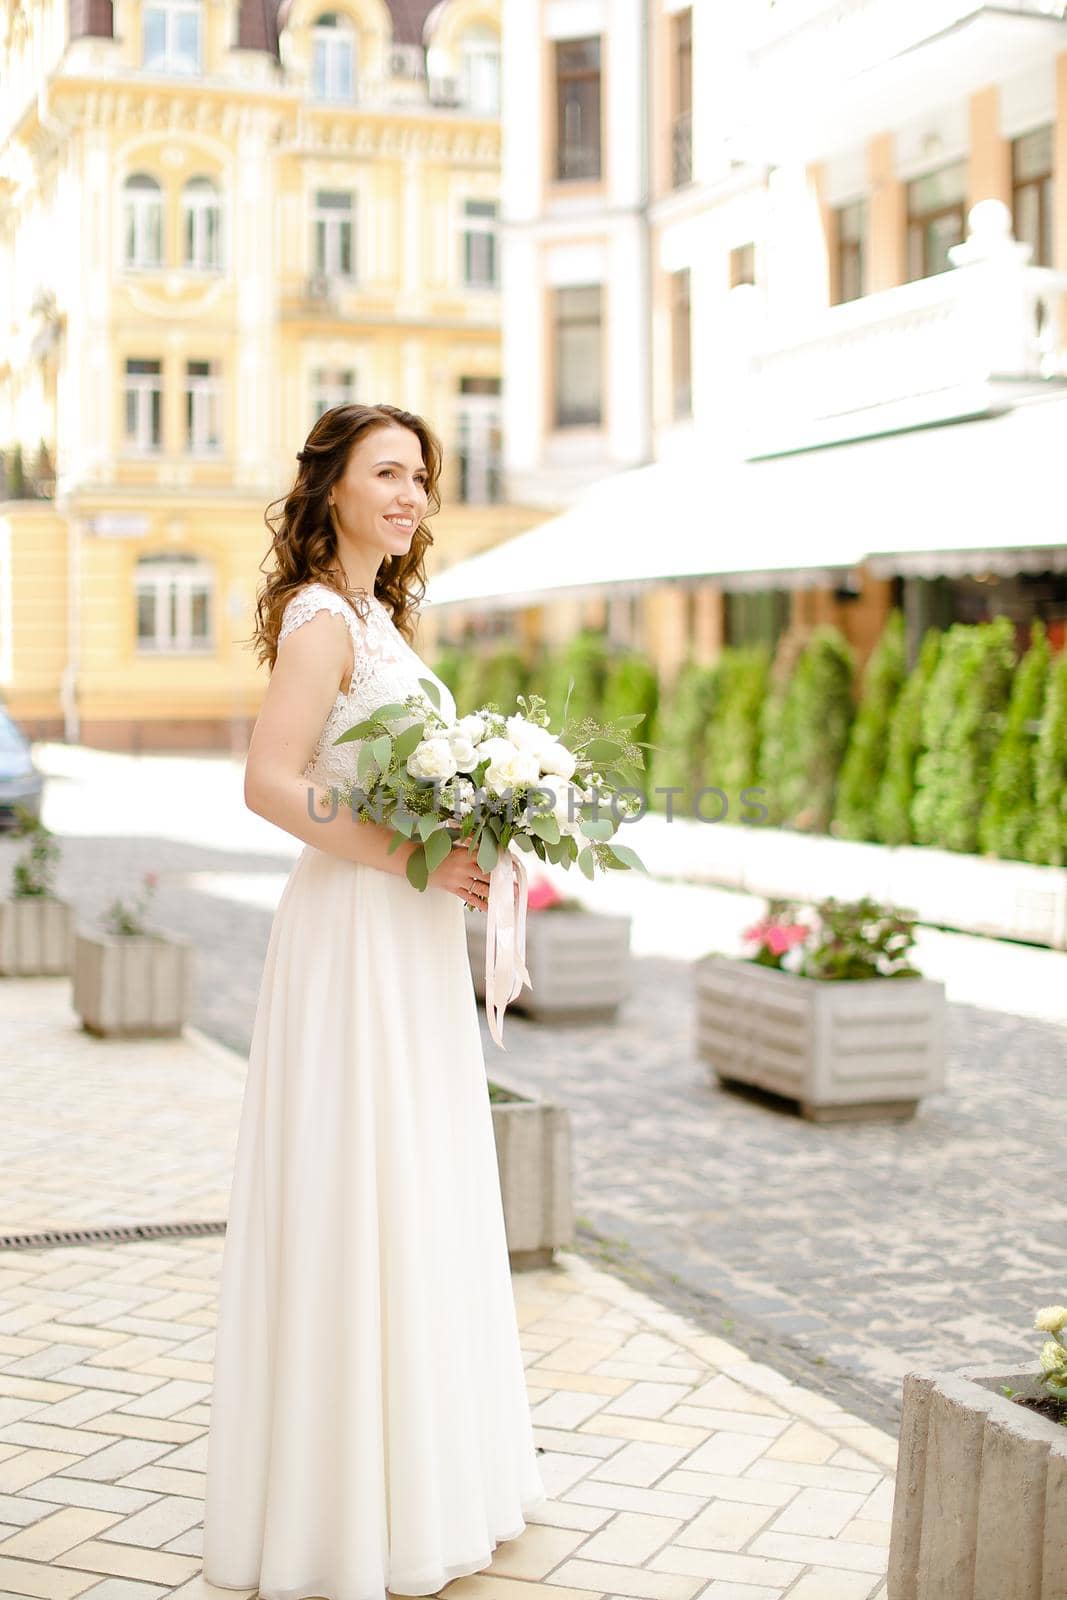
<point>370,1430</point>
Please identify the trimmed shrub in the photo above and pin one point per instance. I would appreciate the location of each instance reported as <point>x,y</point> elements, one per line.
<point>1048,841</point>
<point>732,741</point>
<point>448,665</point>
<point>811,733</point>
<point>865,759</point>
<point>585,659</point>
<point>631,685</point>
<point>1009,814</point>
<point>963,718</point>
<point>896,792</point>
<point>680,733</point>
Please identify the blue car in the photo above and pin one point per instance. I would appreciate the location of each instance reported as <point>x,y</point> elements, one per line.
<point>20,782</point>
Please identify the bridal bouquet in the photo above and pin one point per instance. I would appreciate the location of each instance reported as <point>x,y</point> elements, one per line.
<point>497,780</point>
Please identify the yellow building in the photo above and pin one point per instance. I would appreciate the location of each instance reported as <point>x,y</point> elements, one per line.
<point>215,223</point>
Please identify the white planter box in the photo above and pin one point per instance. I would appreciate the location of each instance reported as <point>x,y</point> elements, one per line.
<point>533,1148</point>
<point>36,936</point>
<point>137,987</point>
<point>578,961</point>
<point>980,1511</point>
<point>842,1050</point>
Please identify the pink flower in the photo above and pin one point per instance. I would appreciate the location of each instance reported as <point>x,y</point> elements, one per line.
<point>781,939</point>
<point>541,894</point>
<point>151,879</point>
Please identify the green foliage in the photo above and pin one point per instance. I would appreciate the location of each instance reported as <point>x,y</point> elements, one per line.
<point>16,475</point>
<point>1010,810</point>
<point>127,921</point>
<point>680,733</point>
<point>34,871</point>
<point>1048,840</point>
<point>585,659</point>
<point>865,759</point>
<point>963,718</point>
<point>497,675</point>
<point>810,733</point>
<point>631,686</point>
<point>449,667</point>
<point>896,792</point>
<point>731,755</point>
<point>860,939</point>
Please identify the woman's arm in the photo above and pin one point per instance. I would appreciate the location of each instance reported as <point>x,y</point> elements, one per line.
<point>311,662</point>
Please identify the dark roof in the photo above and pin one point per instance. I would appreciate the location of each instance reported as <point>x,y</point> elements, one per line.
<point>408,19</point>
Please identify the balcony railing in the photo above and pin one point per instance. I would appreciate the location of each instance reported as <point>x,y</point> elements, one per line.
<point>968,342</point>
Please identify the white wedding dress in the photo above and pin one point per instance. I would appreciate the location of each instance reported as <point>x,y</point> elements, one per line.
<point>370,1430</point>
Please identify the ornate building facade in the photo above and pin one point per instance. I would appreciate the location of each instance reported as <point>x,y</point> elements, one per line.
<point>216,221</point>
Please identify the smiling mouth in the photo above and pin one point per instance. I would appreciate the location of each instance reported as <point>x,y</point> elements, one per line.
<point>405,524</point>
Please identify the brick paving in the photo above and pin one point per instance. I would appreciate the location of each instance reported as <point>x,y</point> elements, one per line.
<point>844,1254</point>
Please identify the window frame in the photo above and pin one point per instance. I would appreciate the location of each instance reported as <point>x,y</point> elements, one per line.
<point>342,35</point>
<point>851,254</point>
<point>475,227</point>
<point>568,418</point>
<point>920,221</point>
<point>200,201</point>
<point>681,316</point>
<point>332,221</point>
<point>338,394</point>
<point>590,170</point>
<point>203,402</point>
<point>479,66</point>
<point>1042,185</point>
<point>142,218</point>
<point>171,59</point>
<point>681,26</point>
<point>147,397</point>
<point>479,441</point>
<point>174,586</point>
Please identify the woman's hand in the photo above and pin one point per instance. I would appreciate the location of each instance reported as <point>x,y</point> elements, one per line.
<point>459,873</point>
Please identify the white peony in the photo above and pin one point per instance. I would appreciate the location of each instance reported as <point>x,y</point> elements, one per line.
<point>529,736</point>
<point>566,809</point>
<point>472,728</point>
<point>495,749</point>
<point>556,759</point>
<point>463,751</point>
<point>1051,1319</point>
<point>431,759</point>
<point>511,772</point>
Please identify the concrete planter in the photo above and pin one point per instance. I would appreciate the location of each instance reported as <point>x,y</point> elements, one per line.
<point>533,1148</point>
<point>578,961</point>
<point>843,1051</point>
<point>981,1499</point>
<point>36,935</point>
<point>133,987</point>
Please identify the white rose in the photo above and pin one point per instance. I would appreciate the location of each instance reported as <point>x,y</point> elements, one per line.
<point>556,759</point>
<point>524,735</point>
<point>511,772</point>
<point>463,752</point>
<point>472,728</point>
<point>432,759</point>
<point>495,750</point>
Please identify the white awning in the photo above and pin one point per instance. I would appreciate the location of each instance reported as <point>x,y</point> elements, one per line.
<point>941,499</point>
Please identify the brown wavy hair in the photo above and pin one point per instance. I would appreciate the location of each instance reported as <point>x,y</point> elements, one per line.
<point>304,540</point>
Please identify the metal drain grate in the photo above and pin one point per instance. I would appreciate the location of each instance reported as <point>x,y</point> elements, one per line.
<point>122,1233</point>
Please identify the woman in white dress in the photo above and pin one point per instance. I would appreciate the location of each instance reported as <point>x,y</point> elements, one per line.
<point>370,1430</point>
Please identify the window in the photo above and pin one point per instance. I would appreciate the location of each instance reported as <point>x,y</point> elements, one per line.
<point>936,210</point>
<point>331,386</point>
<point>742,265</point>
<point>171,35</point>
<point>333,58</point>
<point>144,405</point>
<point>332,229</point>
<point>480,71</point>
<point>479,249</point>
<point>757,616</point>
<point>682,125</point>
<point>681,346</point>
<point>579,379</point>
<point>851,242</point>
<point>201,219</point>
<point>1031,189</point>
<point>142,201</point>
<point>203,405</point>
<point>479,448</point>
<point>578,109</point>
<point>173,599</point>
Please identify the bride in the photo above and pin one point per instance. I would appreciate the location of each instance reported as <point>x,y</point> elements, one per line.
<point>370,1432</point>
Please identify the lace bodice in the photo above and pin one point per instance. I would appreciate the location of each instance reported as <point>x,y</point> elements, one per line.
<point>386,669</point>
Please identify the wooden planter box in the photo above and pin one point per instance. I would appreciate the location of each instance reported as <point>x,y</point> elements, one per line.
<point>36,936</point>
<point>980,1511</point>
<point>533,1148</point>
<point>841,1050</point>
<point>578,961</point>
<point>133,987</point>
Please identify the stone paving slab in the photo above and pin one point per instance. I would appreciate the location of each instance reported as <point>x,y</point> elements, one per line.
<point>675,1465</point>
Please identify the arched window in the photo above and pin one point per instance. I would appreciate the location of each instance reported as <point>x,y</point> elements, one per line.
<point>171,35</point>
<point>174,599</point>
<point>333,57</point>
<point>201,226</point>
<point>142,201</point>
<point>480,70</point>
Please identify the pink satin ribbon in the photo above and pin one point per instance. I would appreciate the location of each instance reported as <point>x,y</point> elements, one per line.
<point>505,939</point>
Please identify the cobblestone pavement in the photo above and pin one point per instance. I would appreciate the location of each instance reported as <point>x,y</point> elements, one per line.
<point>677,1467</point>
<point>844,1254</point>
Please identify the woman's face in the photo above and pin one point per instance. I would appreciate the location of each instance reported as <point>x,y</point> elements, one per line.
<point>382,495</point>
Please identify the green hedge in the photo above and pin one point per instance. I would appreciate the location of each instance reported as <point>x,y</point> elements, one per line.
<point>1009,815</point>
<point>861,770</point>
<point>730,759</point>
<point>896,789</point>
<point>805,733</point>
<point>680,733</point>
<point>1048,842</point>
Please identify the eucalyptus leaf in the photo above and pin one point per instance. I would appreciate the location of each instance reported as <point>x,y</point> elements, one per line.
<point>602,750</point>
<point>390,713</point>
<point>406,742</point>
<point>599,828</point>
<point>426,826</point>
<point>383,750</point>
<point>404,823</point>
<point>546,828</point>
<point>366,766</point>
<point>628,857</point>
<point>524,841</point>
<point>359,730</point>
<point>437,847</point>
<point>395,842</point>
<point>433,693</point>
<point>586,862</point>
<point>416,869</point>
<point>487,851</point>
